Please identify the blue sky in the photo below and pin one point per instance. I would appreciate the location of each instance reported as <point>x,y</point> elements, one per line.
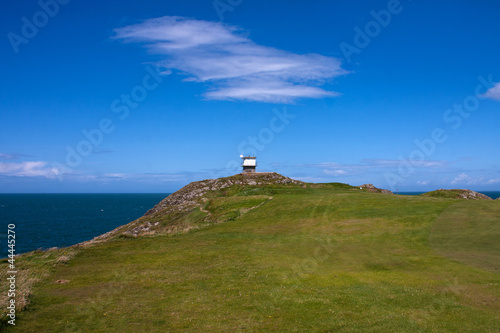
<point>128,96</point>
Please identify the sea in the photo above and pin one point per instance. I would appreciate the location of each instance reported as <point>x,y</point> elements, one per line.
<point>42,221</point>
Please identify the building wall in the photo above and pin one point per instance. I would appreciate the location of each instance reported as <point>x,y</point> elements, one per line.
<point>249,162</point>
<point>248,169</point>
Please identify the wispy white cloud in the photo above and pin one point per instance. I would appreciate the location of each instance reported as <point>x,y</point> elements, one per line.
<point>56,172</point>
<point>368,165</point>
<point>161,177</point>
<point>27,169</point>
<point>423,182</point>
<point>312,179</point>
<point>396,163</point>
<point>493,92</point>
<point>462,178</point>
<point>236,67</point>
<point>12,156</point>
<point>337,172</point>
<point>338,169</point>
<point>465,179</point>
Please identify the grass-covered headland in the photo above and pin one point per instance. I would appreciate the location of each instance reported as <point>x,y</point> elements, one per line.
<point>266,253</point>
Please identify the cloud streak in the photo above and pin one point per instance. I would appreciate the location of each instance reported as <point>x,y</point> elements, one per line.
<point>368,165</point>
<point>493,92</point>
<point>235,67</point>
<point>465,179</point>
<point>12,156</point>
<point>42,169</point>
<point>27,169</point>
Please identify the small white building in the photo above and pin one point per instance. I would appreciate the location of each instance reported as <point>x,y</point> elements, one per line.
<point>249,163</point>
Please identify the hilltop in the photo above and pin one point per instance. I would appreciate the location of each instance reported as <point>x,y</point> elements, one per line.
<point>180,211</point>
<point>457,194</point>
<point>264,252</point>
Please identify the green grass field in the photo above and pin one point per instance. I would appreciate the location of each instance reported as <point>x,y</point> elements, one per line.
<point>324,259</point>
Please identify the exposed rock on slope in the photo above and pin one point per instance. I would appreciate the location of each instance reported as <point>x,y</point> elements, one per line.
<point>371,188</point>
<point>193,196</point>
<point>189,195</point>
<point>457,194</point>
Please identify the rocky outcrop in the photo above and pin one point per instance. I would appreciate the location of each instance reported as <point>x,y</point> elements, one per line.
<point>469,194</point>
<point>372,188</point>
<point>475,195</point>
<point>189,196</point>
<point>457,194</point>
<point>497,198</point>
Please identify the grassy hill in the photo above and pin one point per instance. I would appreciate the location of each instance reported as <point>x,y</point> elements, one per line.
<point>272,255</point>
<point>457,194</point>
